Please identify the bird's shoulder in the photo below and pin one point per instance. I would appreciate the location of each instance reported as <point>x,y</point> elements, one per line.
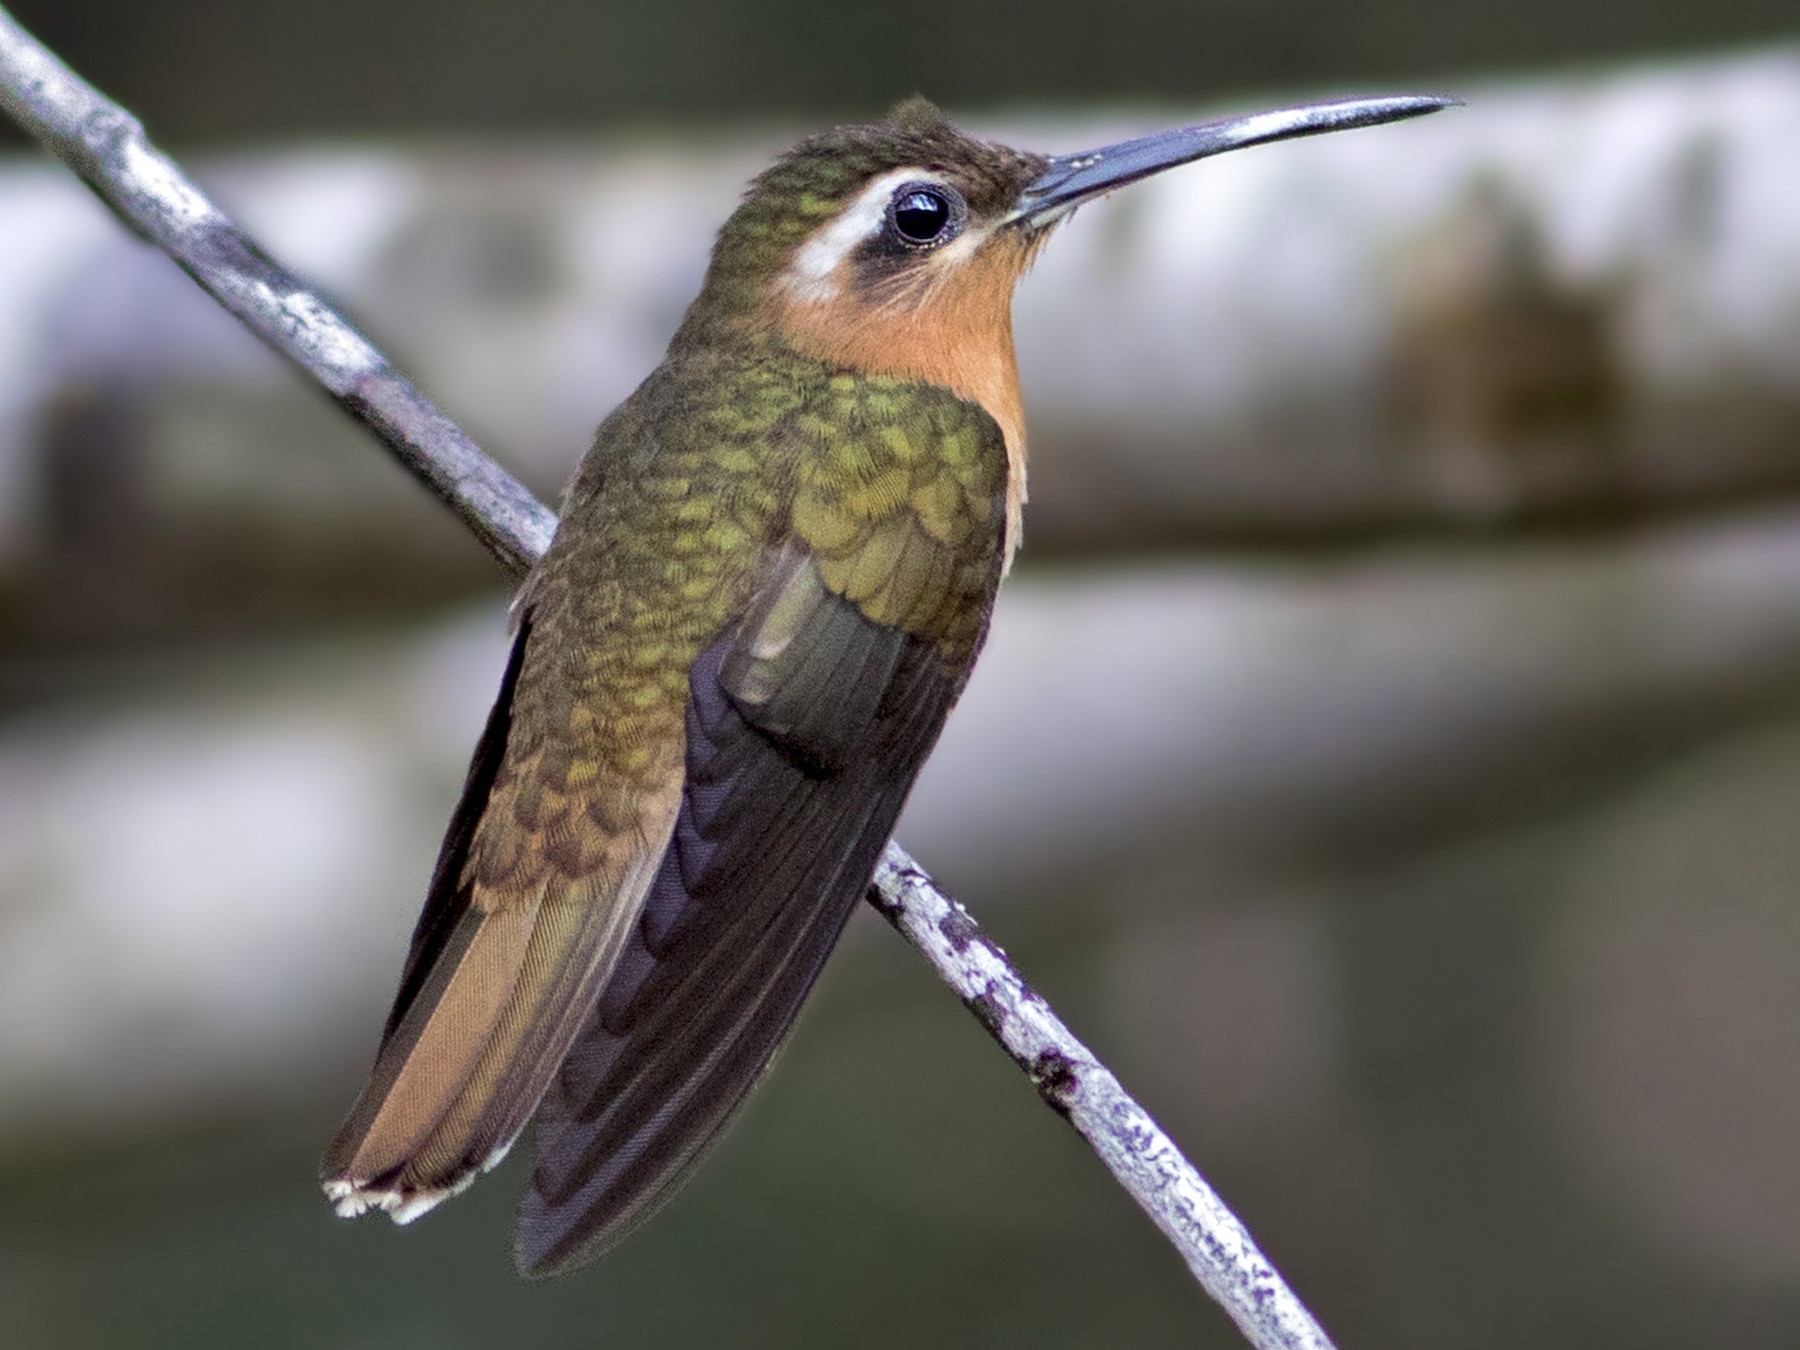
<point>899,498</point>
<point>896,488</point>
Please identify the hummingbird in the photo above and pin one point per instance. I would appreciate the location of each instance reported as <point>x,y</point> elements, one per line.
<point>772,576</point>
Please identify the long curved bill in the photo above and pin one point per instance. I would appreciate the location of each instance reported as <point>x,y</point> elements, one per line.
<point>1073,179</point>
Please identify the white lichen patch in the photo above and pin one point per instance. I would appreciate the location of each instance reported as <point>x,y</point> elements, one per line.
<point>330,338</point>
<point>151,173</point>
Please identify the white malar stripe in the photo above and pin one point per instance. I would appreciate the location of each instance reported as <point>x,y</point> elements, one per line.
<point>962,248</point>
<point>810,276</point>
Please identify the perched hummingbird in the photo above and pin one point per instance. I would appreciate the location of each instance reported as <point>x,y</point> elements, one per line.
<point>773,573</point>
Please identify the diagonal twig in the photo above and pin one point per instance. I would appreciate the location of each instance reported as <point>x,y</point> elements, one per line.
<point>105,146</point>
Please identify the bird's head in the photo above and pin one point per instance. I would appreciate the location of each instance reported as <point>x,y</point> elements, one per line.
<point>893,248</point>
<point>879,224</point>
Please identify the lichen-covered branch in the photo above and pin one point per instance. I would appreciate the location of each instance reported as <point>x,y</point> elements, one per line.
<point>107,149</point>
<point>1144,1160</point>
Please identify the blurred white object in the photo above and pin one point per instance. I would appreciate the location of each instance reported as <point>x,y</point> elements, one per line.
<point>200,898</point>
<point>1569,294</point>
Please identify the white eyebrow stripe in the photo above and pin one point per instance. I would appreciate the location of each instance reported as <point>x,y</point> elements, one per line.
<point>809,276</point>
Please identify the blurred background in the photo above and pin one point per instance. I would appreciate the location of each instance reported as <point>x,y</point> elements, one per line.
<point>1386,754</point>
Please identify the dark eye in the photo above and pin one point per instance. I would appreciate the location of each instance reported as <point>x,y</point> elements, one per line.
<point>925,215</point>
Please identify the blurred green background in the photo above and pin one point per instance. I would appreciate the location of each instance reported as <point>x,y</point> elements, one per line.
<point>1478,1004</point>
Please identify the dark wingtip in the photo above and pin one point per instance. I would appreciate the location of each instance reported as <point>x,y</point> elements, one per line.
<point>532,1264</point>
<point>544,1249</point>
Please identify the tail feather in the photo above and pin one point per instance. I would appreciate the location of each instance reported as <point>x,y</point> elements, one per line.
<point>573,950</point>
<point>389,1152</point>
<point>505,965</point>
<point>467,1065</point>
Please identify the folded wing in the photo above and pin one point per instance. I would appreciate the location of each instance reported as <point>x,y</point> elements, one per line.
<point>805,728</point>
